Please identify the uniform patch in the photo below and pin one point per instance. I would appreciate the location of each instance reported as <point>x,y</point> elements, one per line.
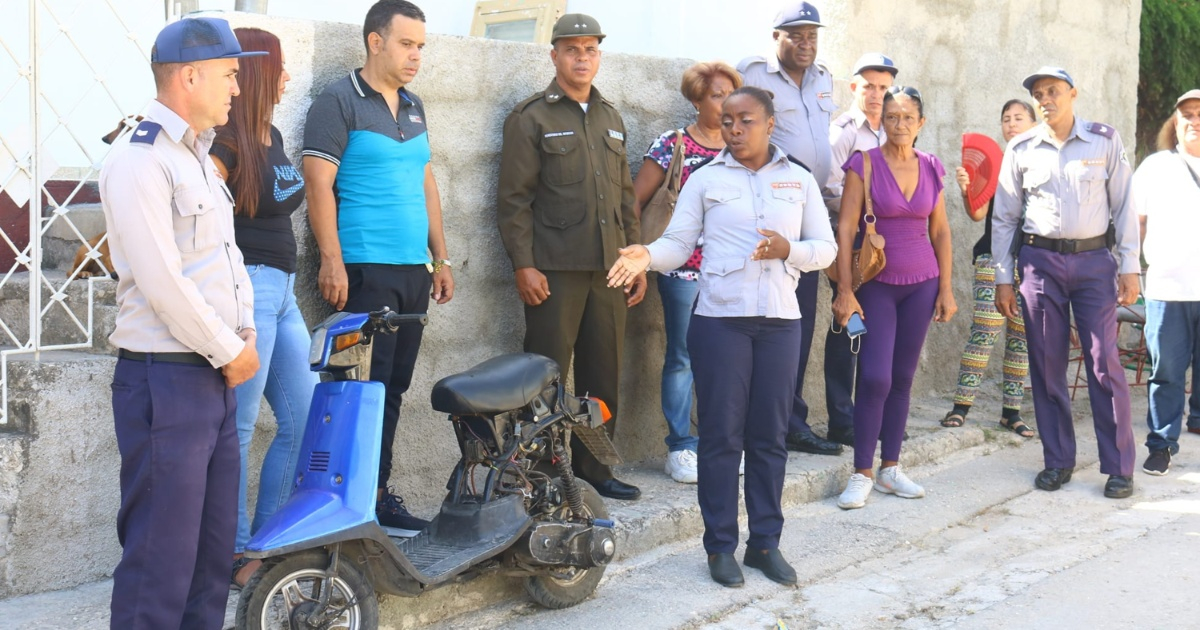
<point>559,134</point>
<point>612,133</point>
<point>1094,162</point>
<point>146,132</point>
<point>413,118</point>
<point>796,185</point>
<point>824,94</point>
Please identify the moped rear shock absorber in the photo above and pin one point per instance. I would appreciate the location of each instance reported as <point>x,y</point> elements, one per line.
<point>562,462</point>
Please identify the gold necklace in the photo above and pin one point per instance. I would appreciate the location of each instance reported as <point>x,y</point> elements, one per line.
<point>706,141</point>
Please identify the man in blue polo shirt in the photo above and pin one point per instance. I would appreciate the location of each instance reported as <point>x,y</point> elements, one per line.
<point>374,209</point>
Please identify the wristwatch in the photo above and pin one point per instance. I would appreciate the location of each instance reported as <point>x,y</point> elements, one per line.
<point>437,265</point>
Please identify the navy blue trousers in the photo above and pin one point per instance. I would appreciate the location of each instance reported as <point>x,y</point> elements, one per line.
<point>177,433</point>
<point>838,365</point>
<point>745,373</point>
<point>1056,286</point>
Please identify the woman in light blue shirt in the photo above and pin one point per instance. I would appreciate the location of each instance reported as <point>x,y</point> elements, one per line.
<point>764,223</point>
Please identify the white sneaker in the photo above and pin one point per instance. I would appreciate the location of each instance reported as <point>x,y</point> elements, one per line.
<point>742,466</point>
<point>681,465</point>
<point>891,480</point>
<point>855,494</point>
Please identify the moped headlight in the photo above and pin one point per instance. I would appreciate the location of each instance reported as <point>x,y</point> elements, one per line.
<point>317,349</point>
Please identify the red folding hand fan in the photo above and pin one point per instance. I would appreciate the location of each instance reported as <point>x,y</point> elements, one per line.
<point>981,156</point>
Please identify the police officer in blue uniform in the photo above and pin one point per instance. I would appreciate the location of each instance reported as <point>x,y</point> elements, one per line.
<point>1064,201</point>
<point>803,95</point>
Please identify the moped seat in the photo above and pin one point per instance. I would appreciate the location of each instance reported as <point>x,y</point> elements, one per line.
<point>503,383</point>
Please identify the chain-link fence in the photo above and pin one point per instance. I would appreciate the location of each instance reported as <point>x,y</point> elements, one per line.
<point>70,71</point>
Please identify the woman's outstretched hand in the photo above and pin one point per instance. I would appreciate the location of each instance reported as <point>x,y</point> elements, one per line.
<point>633,262</point>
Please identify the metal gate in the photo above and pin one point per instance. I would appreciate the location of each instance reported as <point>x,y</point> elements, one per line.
<point>70,70</point>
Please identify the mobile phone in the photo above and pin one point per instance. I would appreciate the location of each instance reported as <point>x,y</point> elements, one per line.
<point>855,327</point>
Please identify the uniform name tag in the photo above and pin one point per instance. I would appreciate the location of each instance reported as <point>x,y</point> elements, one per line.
<point>559,134</point>
<point>414,119</point>
<point>616,134</point>
<point>825,95</point>
<point>796,185</point>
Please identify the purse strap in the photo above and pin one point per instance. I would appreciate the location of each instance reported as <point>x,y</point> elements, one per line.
<point>870,218</point>
<point>675,177</point>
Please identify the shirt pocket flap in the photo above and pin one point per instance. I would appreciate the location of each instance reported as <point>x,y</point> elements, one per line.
<point>560,145</point>
<point>827,104</point>
<point>614,144</point>
<point>790,195</point>
<point>722,195</point>
<point>1093,174</point>
<point>725,266</point>
<point>194,201</point>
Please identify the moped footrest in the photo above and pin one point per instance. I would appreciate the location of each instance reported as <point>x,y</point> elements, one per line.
<point>597,442</point>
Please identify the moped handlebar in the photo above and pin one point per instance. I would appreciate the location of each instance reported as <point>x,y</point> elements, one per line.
<point>391,320</point>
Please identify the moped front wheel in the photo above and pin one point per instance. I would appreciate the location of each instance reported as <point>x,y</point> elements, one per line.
<point>563,587</point>
<point>286,595</point>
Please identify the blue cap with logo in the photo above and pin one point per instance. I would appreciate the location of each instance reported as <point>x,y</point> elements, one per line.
<point>1047,72</point>
<point>197,39</point>
<point>799,14</point>
<point>875,61</point>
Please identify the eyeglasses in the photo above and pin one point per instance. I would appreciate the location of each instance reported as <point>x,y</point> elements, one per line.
<point>904,89</point>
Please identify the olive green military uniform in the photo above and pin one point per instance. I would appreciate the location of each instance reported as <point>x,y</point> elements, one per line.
<point>565,207</point>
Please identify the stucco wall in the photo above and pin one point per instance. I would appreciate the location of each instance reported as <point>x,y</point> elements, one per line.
<point>966,56</point>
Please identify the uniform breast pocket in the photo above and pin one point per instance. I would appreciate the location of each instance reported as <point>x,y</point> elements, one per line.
<point>563,161</point>
<point>827,105</point>
<point>615,155</point>
<point>1092,186</point>
<point>197,224</point>
<point>721,279</point>
<point>790,200</point>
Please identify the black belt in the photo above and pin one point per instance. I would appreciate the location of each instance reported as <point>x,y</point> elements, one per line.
<point>1065,245</point>
<point>186,358</point>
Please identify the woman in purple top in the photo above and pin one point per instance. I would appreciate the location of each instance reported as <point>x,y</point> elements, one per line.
<point>906,189</point>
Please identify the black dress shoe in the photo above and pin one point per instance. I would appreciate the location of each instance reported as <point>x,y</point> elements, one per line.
<point>1118,487</point>
<point>772,564</point>
<point>1053,478</point>
<point>842,436</point>
<point>616,489</point>
<point>812,443</point>
<point>724,570</point>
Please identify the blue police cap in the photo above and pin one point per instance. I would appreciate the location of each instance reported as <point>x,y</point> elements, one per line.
<point>875,61</point>
<point>799,14</point>
<point>1050,72</point>
<point>197,39</point>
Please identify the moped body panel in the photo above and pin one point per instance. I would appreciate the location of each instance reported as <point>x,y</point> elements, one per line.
<point>337,471</point>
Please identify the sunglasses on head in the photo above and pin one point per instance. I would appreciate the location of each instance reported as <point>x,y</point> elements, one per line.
<point>904,89</point>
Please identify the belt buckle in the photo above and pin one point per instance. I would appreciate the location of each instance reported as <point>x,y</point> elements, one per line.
<point>1067,246</point>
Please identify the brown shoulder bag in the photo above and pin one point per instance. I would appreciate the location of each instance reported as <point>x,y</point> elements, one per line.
<point>869,259</point>
<point>656,214</point>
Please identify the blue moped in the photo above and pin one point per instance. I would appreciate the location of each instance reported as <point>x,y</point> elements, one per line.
<point>513,505</point>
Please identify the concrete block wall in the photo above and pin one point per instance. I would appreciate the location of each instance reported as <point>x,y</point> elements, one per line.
<point>58,460</point>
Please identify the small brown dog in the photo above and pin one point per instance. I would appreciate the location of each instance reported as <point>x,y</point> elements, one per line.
<point>88,267</point>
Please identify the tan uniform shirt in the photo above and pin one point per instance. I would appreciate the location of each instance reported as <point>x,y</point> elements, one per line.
<point>849,134</point>
<point>565,193</point>
<point>183,286</point>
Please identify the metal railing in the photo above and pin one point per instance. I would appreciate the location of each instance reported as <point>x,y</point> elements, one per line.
<point>69,65</point>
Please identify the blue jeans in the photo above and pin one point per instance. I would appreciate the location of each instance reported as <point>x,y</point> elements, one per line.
<point>1173,340</point>
<point>678,299</point>
<point>285,379</point>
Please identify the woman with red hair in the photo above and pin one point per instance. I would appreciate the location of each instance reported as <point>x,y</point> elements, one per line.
<point>267,188</point>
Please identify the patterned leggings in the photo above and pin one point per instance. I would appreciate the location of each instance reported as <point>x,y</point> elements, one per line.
<point>985,328</point>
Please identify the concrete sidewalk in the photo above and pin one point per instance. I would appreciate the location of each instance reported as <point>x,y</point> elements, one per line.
<point>666,515</point>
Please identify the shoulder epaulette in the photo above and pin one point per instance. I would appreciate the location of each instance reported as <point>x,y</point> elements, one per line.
<point>520,107</point>
<point>820,63</point>
<point>1101,129</point>
<point>799,163</point>
<point>748,61</point>
<point>145,132</point>
<point>843,120</point>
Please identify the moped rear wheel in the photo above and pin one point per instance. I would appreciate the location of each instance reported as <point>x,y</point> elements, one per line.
<point>563,587</point>
<point>285,596</point>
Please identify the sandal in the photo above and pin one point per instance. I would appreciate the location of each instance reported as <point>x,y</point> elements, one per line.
<point>239,566</point>
<point>1017,426</point>
<point>954,420</point>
